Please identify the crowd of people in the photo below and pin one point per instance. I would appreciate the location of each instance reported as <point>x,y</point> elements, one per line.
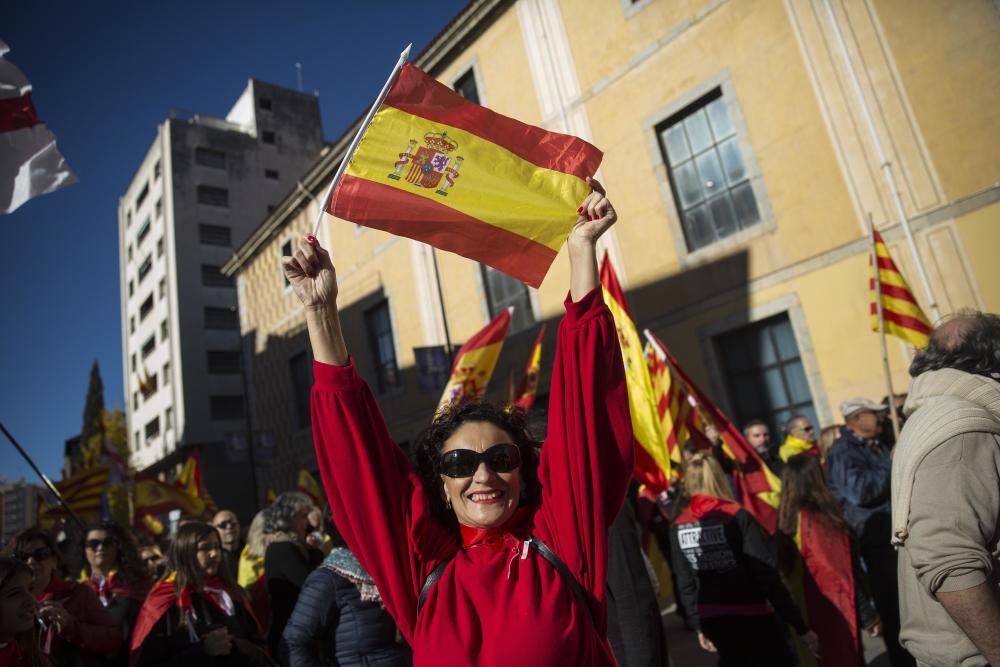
<point>491,547</point>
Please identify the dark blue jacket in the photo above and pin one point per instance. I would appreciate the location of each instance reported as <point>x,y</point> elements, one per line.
<point>859,476</point>
<point>331,625</point>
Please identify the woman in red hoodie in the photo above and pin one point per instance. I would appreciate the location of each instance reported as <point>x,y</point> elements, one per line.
<point>77,629</point>
<point>18,636</point>
<point>507,551</point>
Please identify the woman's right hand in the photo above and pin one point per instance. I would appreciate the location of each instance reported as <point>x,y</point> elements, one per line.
<point>706,643</point>
<point>311,274</point>
<point>217,642</point>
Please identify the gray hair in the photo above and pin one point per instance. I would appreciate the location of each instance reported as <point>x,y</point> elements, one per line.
<point>278,518</point>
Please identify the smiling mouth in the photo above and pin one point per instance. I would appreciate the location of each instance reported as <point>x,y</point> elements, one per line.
<point>487,497</point>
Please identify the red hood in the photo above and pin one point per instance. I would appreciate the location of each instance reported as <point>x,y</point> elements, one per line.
<point>701,505</point>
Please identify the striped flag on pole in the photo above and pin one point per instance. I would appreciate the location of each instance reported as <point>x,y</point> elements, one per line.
<point>30,163</point>
<point>83,493</point>
<point>437,168</point>
<point>475,362</point>
<point>901,314</point>
<point>529,384</point>
<point>673,404</point>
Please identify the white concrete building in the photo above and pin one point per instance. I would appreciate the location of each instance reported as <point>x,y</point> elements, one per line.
<point>203,186</point>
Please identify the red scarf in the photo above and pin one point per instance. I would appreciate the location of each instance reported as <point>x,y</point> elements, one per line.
<point>111,586</point>
<point>514,529</point>
<point>702,505</point>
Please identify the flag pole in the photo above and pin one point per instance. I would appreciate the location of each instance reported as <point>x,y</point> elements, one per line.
<point>884,163</point>
<point>52,488</point>
<point>881,327</point>
<point>403,57</point>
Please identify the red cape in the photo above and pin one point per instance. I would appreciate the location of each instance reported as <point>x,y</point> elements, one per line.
<point>702,505</point>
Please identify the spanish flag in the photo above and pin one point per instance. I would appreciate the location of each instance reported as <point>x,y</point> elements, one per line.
<point>437,168</point>
<point>475,362</point>
<point>652,460</point>
<point>189,481</point>
<point>309,486</point>
<point>757,488</point>
<point>529,384</point>
<point>900,312</point>
<point>151,496</point>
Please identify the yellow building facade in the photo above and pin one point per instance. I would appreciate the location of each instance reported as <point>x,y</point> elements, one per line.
<point>740,156</point>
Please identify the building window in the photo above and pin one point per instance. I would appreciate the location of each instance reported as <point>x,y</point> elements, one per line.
<point>210,157</point>
<point>142,196</point>
<point>146,308</point>
<point>708,174</point>
<point>131,289</point>
<point>302,382</point>
<point>226,407</point>
<point>166,374</point>
<point>162,290</point>
<point>131,324</point>
<point>148,347</point>
<point>143,231</point>
<point>164,331</point>
<point>213,196</point>
<point>271,173</point>
<point>214,235</point>
<point>383,348</point>
<point>212,276</point>
<point>168,418</point>
<point>223,362</point>
<point>135,401</point>
<point>149,387</point>
<point>138,441</point>
<point>764,372</point>
<point>157,170</point>
<point>267,136</point>
<point>465,86</point>
<point>265,103</point>
<point>152,429</point>
<point>286,251</point>
<point>145,267</point>
<point>135,366</point>
<point>503,291</point>
<point>128,253</point>
<point>159,208</point>
<point>221,318</point>
<point>159,247</point>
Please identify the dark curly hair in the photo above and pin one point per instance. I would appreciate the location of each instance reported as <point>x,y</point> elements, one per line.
<point>130,567</point>
<point>968,342</point>
<point>427,450</point>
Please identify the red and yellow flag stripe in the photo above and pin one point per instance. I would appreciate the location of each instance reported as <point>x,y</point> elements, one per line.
<point>901,314</point>
<point>529,384</point>
<point>476,361</point>
<point>437,168</point>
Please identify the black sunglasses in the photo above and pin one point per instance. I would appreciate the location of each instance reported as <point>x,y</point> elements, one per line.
<point>228,523</point>
<point>41,553</point>
<point>464,462</point>
<point>107,543</point>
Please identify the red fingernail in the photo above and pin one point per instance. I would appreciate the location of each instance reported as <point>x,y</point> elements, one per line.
<point>590,217</point>
<point>311,239</point>
<point>579,210</point>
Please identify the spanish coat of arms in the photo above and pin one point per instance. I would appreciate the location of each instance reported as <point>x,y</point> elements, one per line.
<point>432,165</point>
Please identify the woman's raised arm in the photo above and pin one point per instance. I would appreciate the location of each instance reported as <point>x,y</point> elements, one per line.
<point>314,279</point>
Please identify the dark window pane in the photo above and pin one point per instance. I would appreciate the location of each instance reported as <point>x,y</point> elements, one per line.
<point>227,407</point>
<point>698,133</point>
<point>382,346</point>
<point>503,291</point>
<point>210,157</point>
<point>718,116</point>
<point>267,136</point>
<point>676,144</point>
<point>710,172</point>
<point>784,338</point>
<point>212,196</point>
<point>145,267</point>
<point>214,235</point>
<point>732,161</point>
<point>465,86</point>
<point>141,196</point>
<point>223,362</point>
<point>698,227</point>
<point>763,347</point>
<point>688,185</point>
<point>724,215</point>
<point>775,386</point>
<point>795,380</point>
<point>221,318</point>
<point>747,396</point>
<point>746,205</point>
<point>212,276</point>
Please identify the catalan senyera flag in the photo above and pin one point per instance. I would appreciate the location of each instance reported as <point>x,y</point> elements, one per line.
<point>309,486</point>
<point>652,460</point>
<point>475,361</point>
<point>901,314</point>
<point>151,496</point>
<point>673,404</point>
<point>529,383</point>
<point>189,481</point>
<point>83,492</point>
<point>436,168</point>
<point>757,488</point>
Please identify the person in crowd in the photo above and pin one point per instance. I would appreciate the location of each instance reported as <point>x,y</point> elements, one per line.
<point>196,615</point>
<point>727,574</point>
<point>76,628</point>
<point>315,537</point>
<point>288,560</point>
<point>758,436</point>
<point>946,496</point>
<point>232,541</point>
<point>252,557</point>
<point>800,438</point>
<point>858,469</point>
<point>115,572</point>
<point>486,553</point>
<point>339,618</point>
<point>19,641</point>
<point>888,435</point>
<point>822,566</point>
<point>151,554</point>
<point>826,438</point>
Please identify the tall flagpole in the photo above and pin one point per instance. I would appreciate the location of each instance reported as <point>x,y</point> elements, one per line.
<point>881,328</point>
<point>884,163</point>
<point>403,57</point>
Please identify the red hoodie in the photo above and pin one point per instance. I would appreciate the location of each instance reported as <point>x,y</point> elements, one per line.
<point>496,603</point>
<point>93,630</point>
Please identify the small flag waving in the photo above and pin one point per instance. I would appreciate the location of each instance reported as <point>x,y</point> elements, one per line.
<point>189,481</point>
<point>652,461</point>
<point>475,362</point>
<point>900,313</point>
<point>30,163</point>
<point>309,486</point>
<point>673,404</point>
<point>437,168</point>
<point>529,384</point>
<point>151,496</point>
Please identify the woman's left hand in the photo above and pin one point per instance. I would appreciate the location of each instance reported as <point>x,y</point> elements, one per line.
<point>594,217</point>
<point>54,612</point>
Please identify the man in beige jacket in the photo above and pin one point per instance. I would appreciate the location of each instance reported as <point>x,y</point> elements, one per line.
<point>946,497</point>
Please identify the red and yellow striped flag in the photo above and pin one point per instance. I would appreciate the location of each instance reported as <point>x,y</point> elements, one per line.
<point>529,384</point>
<point>189,481</point>
<point>673,404</point>
<point>475,362</point>
<point>652,460</point>
<point>901,314</point>
<point>309,486</point>
<point>437,168</point>
<point>757,488</point>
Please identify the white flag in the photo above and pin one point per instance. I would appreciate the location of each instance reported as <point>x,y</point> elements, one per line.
<point>30,164</point>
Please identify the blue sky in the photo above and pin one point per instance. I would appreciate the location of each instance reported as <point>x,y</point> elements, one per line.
<point>104,75</point>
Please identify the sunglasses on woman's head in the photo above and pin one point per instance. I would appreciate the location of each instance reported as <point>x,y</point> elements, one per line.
<point>464,462</point>
<point>107,543</point>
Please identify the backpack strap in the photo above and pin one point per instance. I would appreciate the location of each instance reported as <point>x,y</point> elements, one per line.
<point>545,552</point>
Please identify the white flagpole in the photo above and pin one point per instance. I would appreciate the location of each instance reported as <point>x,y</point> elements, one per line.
<point>884,163</point>
<point>403,57</point>
<point>881,327</point>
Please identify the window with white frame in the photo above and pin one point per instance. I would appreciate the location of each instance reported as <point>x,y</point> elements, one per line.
<point>465,86</point>
<point>503,291</point>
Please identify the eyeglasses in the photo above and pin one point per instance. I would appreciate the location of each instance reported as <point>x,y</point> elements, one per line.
<point>464,462</point>
<point>228,523</point>
<point>107,543</point>
<point>39,554</point>
<point>154,558</point>
<point>808,429</point>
